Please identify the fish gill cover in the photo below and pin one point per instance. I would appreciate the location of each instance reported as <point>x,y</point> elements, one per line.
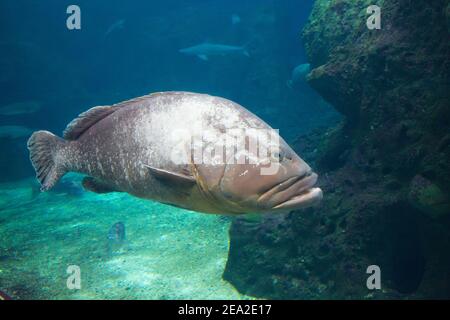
<point>365,107</point>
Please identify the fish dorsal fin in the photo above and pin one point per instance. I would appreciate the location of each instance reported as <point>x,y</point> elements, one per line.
<point>86,120</point>
<point>134,100</point>
<point>90,117</point>
<point>174,178</point>
<point>141,99</point>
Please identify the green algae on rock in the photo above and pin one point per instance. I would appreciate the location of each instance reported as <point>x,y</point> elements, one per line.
<point>392,86</point>
<point>428,197</point>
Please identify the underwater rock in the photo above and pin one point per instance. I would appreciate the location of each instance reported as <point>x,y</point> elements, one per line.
<point>384,170</point>
<point>428,197</point>
<point>447,16</point>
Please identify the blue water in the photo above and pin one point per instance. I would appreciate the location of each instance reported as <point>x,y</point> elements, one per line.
<point>126,49</point>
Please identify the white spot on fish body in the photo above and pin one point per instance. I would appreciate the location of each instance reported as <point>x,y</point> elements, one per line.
<point>243,173</point>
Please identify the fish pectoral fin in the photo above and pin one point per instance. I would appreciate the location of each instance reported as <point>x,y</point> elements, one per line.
<point>170,177</point>
<point>204,57</point>
<point>97,186</point>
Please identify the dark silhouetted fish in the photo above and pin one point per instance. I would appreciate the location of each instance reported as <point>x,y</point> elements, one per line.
<point>69,187</point>
<point>299,74</point>
<point>117,233</point>
<point>116,238</point>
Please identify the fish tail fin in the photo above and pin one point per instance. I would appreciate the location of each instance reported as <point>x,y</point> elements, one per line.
<point>44,148</point>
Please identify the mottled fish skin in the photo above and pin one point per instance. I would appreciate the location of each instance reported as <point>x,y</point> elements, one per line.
<point>132,145</point>
<point>143,132</point>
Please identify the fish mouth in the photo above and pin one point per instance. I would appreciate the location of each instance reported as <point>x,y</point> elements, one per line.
<point>293,193</point>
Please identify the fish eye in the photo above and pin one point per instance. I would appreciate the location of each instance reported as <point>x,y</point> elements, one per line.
<point>277,156</point>
<point>281,156</point>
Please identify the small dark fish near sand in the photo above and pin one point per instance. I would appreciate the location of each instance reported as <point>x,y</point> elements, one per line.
<point>116,238</point>
<point>69,187</point>
<point>117,232</point>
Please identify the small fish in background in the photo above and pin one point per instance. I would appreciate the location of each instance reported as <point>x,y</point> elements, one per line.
<point>118,25</point>
<point>14,132</point>
<point>116,238</point>
<point>299,74</point>
<point>19,108</point>
<point>235,19</point>
<point>69,187</point>
<point>205,50</point>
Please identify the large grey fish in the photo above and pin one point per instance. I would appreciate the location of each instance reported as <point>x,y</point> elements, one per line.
<point>145,147</point>
<point>204,50</point>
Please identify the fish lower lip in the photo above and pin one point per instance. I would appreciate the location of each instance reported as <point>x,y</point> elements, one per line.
<point>295,192</point>
<point>299,188</point>
<point>306,199</point>
<point>282,186</point>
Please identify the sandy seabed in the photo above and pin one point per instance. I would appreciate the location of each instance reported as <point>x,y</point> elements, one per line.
<point>169,253</point>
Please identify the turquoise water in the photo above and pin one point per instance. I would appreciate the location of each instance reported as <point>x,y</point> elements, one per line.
<point>50,74</point>
<point>169,253</point>
<point>358,88</point>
